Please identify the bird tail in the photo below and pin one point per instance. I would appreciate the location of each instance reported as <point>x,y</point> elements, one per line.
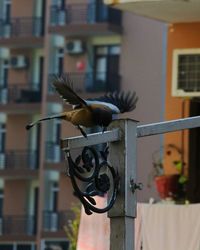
<point>60,116</point>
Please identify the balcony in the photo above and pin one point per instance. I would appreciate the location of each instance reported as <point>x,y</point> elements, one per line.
<point>17,226</point>
<point>17,97</point>
<point>21,32</point>
<point>55,221</point>
<point>85,19</point>
<point>89,83</point>
<point>169,11</point>
<point>19,163</point>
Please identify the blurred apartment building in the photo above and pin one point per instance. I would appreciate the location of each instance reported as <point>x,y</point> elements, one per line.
<point>40,38</point>
<point>102,50</point>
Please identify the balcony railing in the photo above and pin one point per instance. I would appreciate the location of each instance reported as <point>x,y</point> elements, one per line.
<point>84,14</point>
<point>19,160</point>
<point>93,82</point>
<point>55,221</point>
<point>53,152</point>
<point>20,93</point>
<point>18,225</point>
<point>21,27</point>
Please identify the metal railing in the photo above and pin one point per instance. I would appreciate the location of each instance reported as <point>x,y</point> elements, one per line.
<point>55,221</point>
<point>19,159</point>
<point>21,26</point>
<point>84,13</point>
<point>20,93</point>
<point>123,155</point>
<point>17,225</point>
<point>93,82</point>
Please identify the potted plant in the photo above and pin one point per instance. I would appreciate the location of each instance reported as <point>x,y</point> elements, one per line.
<point>169,185</point>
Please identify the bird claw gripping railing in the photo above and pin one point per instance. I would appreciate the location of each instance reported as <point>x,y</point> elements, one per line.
<point>91,167</point>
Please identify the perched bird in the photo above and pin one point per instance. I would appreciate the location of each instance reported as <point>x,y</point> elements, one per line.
<point>90,112</point>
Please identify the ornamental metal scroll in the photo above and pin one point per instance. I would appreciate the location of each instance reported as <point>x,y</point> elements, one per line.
<point>98,177</point>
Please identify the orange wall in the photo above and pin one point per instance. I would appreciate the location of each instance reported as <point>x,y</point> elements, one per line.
<point>179,36</point>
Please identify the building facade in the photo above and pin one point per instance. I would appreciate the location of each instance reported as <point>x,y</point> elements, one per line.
<point>103,50</point>
<point>182,78</point>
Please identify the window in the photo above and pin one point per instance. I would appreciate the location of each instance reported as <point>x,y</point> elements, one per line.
<point>106,67</point>
<point>2,144</point>
<point>53,152</point>
<point>4,66</point>
<point>59,61</point>
<point>186,72</point>
<point>189,72</point>
<point>2,137</point>
<point>51,219</point>
<point>54,196</point>
<point>7,10</point>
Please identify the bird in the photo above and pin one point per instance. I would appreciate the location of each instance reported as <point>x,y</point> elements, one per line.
<point>90,112</point>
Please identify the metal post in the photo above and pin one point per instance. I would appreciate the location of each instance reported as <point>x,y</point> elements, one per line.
<point>123,158</point>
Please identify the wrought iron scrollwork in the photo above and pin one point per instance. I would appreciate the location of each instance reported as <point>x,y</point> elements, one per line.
<point>97,176</point>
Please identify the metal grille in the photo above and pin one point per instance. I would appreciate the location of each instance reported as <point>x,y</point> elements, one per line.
<point>189,72</point>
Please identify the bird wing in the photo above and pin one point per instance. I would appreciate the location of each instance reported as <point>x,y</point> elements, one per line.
<point>117,102</point>
<point>64,87</point>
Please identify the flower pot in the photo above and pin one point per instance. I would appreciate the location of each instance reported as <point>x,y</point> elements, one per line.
<point>167,185</point>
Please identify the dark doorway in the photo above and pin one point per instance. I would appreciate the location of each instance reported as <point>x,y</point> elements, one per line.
<point>35,212</point>
<point>1,203</point>
<point>112,72</point>
<point>43,16</point>
<point>41,69</point>
<point>38,132</point>
<point>194,156</point>
<point>106,68</point>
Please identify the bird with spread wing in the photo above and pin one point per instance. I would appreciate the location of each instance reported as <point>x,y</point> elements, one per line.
<point>91,112</point>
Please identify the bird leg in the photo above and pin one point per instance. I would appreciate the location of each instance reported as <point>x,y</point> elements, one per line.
<point>82,131</point>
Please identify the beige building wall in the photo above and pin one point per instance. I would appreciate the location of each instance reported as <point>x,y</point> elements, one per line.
<point>17,136</point>
<point>65,196</point>
<point>15,200</point>
<point>143,70</point>
<point>24,9</point>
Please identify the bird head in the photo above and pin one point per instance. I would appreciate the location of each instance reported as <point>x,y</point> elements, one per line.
<point>102,117</point>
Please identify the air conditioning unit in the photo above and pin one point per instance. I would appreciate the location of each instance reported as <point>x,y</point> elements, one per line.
<point>186,73</point>
<point>19,62</point>
<point>75,47</point>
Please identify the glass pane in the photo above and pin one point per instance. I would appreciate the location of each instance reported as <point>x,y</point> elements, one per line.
<point>101,65</point>
<point>189,72</point>
<point>115,50</point>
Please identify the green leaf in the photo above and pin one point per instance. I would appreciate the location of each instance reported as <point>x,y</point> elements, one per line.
<point>182,179</point>
<point>178,165</point>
